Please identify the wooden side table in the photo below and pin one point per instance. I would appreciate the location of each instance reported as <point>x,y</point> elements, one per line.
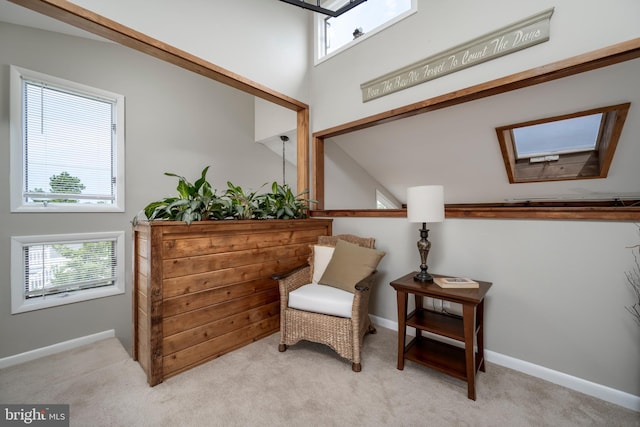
<point>462,363</point>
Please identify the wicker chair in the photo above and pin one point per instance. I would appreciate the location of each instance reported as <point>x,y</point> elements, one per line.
<point>344,335</point>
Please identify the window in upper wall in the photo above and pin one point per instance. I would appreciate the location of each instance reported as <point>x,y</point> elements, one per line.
<point>67,146</point>
<point>53,270</point>
<point>370,17</point>
<point>573,146</point>
<point>384,202</point>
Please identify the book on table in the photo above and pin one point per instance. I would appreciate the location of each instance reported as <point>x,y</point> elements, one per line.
<point>455,282</point>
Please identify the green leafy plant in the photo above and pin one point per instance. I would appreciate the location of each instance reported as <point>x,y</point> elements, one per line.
<point>198,201</point>
<point>242,204</point>
<point>194,202</point>
<point>282,203</point>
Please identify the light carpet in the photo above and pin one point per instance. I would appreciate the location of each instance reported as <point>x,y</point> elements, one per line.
<point>308,385</point>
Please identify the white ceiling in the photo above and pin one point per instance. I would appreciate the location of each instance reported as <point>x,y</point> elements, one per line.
<point>19,15</point>
<point>458,147</point>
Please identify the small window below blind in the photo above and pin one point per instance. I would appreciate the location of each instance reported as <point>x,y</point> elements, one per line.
<point>67,146</point>
<point>60,269</point>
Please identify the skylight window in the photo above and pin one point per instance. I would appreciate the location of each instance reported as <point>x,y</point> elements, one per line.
<point>574,146</point>
<point>558,137</point>
<point>368,18</point>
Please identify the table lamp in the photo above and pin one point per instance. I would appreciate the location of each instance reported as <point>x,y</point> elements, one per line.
<point>425,203</point>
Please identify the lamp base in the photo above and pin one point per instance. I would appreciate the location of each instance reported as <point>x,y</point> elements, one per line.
<point>424,245</point>
<point>423,277</point>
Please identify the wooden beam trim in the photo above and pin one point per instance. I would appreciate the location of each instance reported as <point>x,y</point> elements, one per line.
<point>578,64</point>
<point>476,211</point>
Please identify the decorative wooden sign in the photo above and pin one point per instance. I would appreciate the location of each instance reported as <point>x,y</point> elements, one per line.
<point>515,37</point>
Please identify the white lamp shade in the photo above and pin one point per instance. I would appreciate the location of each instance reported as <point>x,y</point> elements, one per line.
<point>425,203</point>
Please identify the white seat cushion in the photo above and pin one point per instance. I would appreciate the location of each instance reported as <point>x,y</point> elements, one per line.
<point>322,299</point>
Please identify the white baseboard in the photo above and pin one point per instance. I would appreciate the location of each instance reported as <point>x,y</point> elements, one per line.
<point>608,394</point>
<point>599,391</point>
<point>55,348</point>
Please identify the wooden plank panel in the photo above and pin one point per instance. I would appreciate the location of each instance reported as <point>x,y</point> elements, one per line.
<point>143,265</point>
<point>201,264</point>
<point>191,337</point>
<point>213,279</point>
<point>142,299</point>
<point>203,245</point>
<point>142,332</point>
<point>193,301</point>
<point>143,288</point>
<point>154,302</point>
<point>208,350</point>
<point>181,322</point>
<point>177,229</point>
<point>570,166</point>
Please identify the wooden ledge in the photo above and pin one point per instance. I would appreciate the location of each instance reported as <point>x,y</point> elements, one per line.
<point>614,210</point>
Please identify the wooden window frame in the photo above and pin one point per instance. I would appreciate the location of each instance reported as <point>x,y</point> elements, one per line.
<point>586,164</point>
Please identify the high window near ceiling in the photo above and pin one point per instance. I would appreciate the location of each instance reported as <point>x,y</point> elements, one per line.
<point>573,146</point>
<point>339,33</point>
<point>67,145</point>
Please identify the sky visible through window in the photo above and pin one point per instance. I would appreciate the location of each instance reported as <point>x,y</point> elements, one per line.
<point>575,134</point>
<point>368,16</point>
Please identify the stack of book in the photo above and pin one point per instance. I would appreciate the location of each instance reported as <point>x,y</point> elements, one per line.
<point>455,282</point>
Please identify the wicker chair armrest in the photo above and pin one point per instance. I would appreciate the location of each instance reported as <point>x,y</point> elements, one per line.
<point>285,274</point>
<point>364,284</point>
<point>295,280</point>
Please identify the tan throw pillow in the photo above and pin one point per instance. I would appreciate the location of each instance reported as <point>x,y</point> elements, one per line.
<point>350,264</point>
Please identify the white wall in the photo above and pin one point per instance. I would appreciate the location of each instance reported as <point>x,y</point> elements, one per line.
<point>559,287</point>
<point>262,40</point>
<point>577,26</point>
<point>347,185</point>
<point>176,121</point>
<point>559,290</point>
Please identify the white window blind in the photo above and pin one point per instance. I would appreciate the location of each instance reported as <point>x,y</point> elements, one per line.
<point>55,268</point>
<point>59,269</point>
<point>67,145</point>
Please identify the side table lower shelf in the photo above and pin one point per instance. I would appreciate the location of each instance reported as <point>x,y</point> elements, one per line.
<point>443,357</point>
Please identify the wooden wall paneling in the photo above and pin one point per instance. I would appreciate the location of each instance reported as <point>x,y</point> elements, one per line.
<point>209,288</point>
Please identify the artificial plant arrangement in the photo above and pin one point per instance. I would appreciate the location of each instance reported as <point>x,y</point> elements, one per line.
<point>633,278</point>
<point>199,201</point>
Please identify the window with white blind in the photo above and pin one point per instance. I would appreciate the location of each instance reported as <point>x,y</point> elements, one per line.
<point>67,146</point>
<point>60,269</point>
